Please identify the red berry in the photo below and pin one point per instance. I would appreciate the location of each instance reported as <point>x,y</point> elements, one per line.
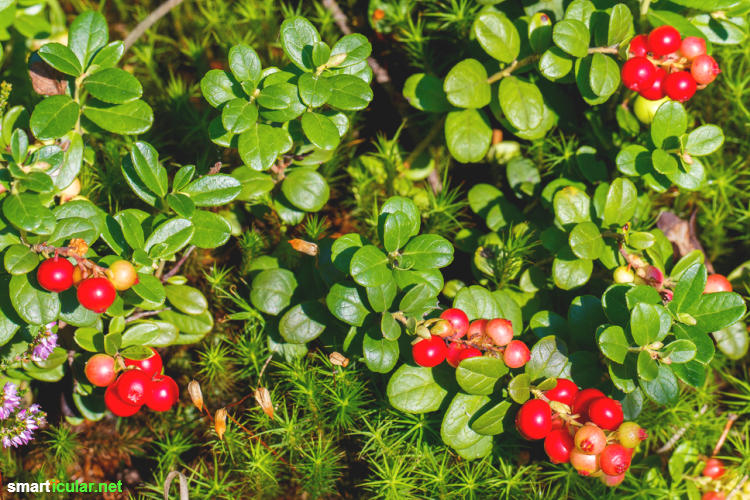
<point>585,464</point>
<point>590,439</point>
<point>692,47</point>
<point>714,468</point>
<point>534,419</point>
<point>717,283</point>
<point>453,353</point>
<point>564,391</point>
<point>96,294</point>
<point>442,328</point>
<point>558,444</point>
<point>606,413</point>
<point>469,352</point>
<point>100,370</point>
<point>117,405</point>
<point>664,40</point>
<point>500,331</point>
<point>656,91</point>
<point>429,352</point>
<point>612,480</point>
<point>615,459</point>
<point>680,86</point>
<point>55,274</point>
<point>458,319</point>
<point>516,354</point>
<point>557,422</point>
<point>477,328</point>
<point>713,495</point>
<point>152,366</point>
<point>638,73</point>
<point>582,401</point>
<point>704,69</point>
<point>132,386</point>
<point>639,46</point>
<point>163,393</point>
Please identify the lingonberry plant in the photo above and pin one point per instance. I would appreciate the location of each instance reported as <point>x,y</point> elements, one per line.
<point>459,252</point>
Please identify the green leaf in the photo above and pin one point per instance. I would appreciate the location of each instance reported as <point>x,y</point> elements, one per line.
<point>381,297</point>
<point>33,304</point>
<point>150,333</point>
<point>663,162</point>
<point>272,289</point>
<point>613,342</point>
<point>545,323</point>
<point>61,58</point>
<point>548,359</point>
<point>497,35</point>
<point>219,87</point>
<point>689,288</point>
<point>245,63</point>
<point>704,140</point>
<point>427,251</point>
<point>345,301</point>
<point>145,162</point>
<point>53,117</point>
<point>174,234</point>
<point>88,33</point>
<point>109,55</point>
<point>298,36</point>
<point>306,189</point>
<point>648,368</point>
<point>321,131</point>
<point>213,190</point>
<point>261,145</point>
<point>211,230</point>
<point>478,375</point>
<point>425,92</point>
<point>314,90</point>
<point>396,231</point>
<point>72,163</point>
<point>522,102</point>
<point>369,266</point>
<point>489,421</point>
<point>679,21</point>
<point>455,429</point>
<point>405,206</point>
<point>380,354</point>
<point>349,93</point>
<point>113,85</point>
<point>663,389</point>
<point>419,299</point>
<point>186,299</point>
<point>604,75</point>
<point>466,85</point>
<point>586,241</point>
<point>356,47</point>
<point>572,36</point>
<point>693,373</point>
<point>303,323</point>
<point>571,205</point>
<point>679,351</point>
<point>468,135</point>
<point>389,327</point>
<point>733,340</point>
<point>670,122</point>
<point>343,250</point>
<point>519,388</point>
<point>569,272</point>
<point>19,259</point>
<point>72,227</point>
<point>413,389</point>
<point>555,64</point>
<point>620,24</point>
<point>715,311</point>
<point>26,212</point>
<point>645,323</point>
<point>131,118</point>
<point>238,115</point>
<point>621,202</point>
<point>150,289</point>
<point>477,302</point>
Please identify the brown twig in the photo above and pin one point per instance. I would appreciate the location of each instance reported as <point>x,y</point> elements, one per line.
<point>149,21</point>
<point>681,432</point>
<point>145,314</point>
<point>730,421</point>
<point>178,265</point>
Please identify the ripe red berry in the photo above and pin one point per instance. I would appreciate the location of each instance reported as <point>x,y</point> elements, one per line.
<point>692,47</point>
<point>590,439</point>
<point>704,69</point>
<point>429,352</point>
<point>714,468</point>
<point>680,86</point>
<point>664,40</point>
<point>713,495</point>
<point>564,391</point>
<point>163,393</point>
<point>477,328</point>
<point>442,328</point>
<point>151,366</point>
<point>615,459</point>
<point>458,319</point>
<point>639,46</point>
<point>96,294</point>
<point>638,73</point>
<point>100,370</point>
<point>558,444</point>
<point>717,283</point>
<point>516,354</point>
<point>55,274</point>
<point>630,434</point>
<point>585,464</point>
<point>469,352</point>
<point>500,331</point>
<point>656,91</point>
<point>582,401</point>
<point>534,419</point>
<point>117,405</point>
<point>132,386</point>
<point>606,413</point>
<point>452,354</point>
<point>612,480</point>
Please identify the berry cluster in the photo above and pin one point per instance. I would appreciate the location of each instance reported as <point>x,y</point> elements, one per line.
<point>469,340</point>
<point>141,382</point>
<point>94,291</point>
<point>584,428</point>
<point>663,63</point>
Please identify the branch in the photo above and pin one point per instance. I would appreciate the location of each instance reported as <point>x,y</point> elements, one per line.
<point>145,314</point>
<point>179,264</point>
<point>144,25</point>
<point>730,421</point>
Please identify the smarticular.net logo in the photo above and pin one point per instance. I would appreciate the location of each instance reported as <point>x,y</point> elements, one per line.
<point>57,486</point>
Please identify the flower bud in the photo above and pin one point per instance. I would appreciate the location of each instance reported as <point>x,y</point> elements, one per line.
<point>194,389</point>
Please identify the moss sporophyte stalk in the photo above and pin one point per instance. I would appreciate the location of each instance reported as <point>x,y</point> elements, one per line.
<point>58,486</point>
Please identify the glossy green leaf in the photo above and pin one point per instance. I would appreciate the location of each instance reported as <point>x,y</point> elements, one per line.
<point>466,85</point>
<point>478,375</point>
<point>468,135</point>
<point>272,289</point>
<point>497,35</point>
<point>131,118</point>
<point>53,117</point>
<point>413,389</point>
<point>113,85</point>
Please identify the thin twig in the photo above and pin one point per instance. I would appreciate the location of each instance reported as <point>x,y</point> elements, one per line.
<point>144,25</point>
<point>737,487</point>
<point>730,421</point>
<point>681,432</point>
<point>145,314</point>
<point>176,268</point>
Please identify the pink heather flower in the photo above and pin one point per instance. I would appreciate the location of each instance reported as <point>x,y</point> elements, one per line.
<point>45,344</point>
<point>20,430</point>
<point>10,400</point>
